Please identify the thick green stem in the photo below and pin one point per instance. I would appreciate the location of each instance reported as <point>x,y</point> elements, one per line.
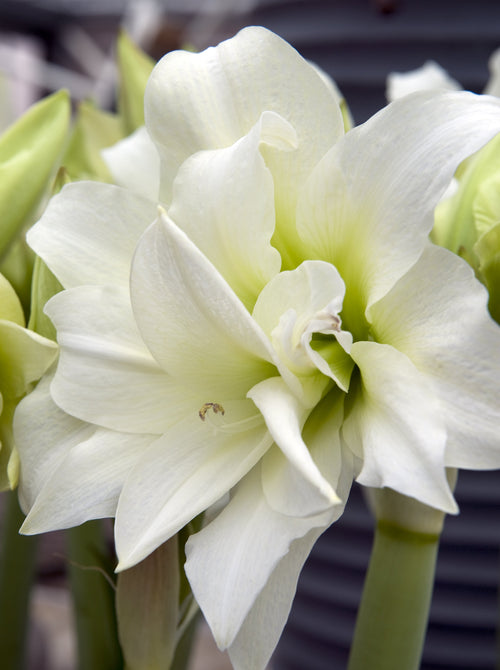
<point>17,568</point>
<point>93,598</point>
<point>392,618</point>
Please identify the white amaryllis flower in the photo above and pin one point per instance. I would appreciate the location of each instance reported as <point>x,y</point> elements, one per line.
<point>431,76</point>
<point>279,326</point>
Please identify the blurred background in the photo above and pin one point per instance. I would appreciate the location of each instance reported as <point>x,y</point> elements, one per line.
<point>49,44</point>
<point>46,44</point>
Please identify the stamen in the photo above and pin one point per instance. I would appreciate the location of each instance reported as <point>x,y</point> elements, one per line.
<point>214,406</point>
<point>214,419</point>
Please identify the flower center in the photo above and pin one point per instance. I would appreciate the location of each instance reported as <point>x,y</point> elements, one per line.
<point>231,418</point>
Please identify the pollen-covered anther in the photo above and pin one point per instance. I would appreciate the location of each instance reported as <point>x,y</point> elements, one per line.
<point>214,406</point>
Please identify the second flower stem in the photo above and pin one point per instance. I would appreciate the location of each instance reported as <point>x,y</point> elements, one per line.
<point>392,618</point>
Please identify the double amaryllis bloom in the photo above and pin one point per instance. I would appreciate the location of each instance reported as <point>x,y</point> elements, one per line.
<point>257,311</point>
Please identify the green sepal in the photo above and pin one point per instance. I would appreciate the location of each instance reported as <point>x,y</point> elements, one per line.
<point>17,266</point>
<point>454,219</point>
<point>93,131</point>
<point>29,152</point>
<point>10,306</point>
<point>43,287</point>
<point>487,250</point>
<point>134,67</point>
<point>24,357</point>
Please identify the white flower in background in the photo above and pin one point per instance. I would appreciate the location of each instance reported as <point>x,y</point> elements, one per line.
<point>431,76</point>
<point>279,326</point>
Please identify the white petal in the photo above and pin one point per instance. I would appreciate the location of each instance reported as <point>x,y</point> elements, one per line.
<point>134,164</point>
<point>181,474</point>
<point>368,206</point>
<point>224,201</point>
<point>261,630</point>
<point>294,305</point>
<point>394,425</point>
<point>105,374</point>
<point>44,435</point>
<point>437,316</point>
<point>431,76</point>
<point>307,290</point>
<point>293,485</point>
<point>190,319</point>
<point>88,481</point>
<point>88,233</point>
<point>231,561</point>
<point>211,99</point>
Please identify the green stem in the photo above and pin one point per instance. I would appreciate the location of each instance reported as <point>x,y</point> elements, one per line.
<point>17,568</point>
<point>392,618</point>
<point>183,650</point>
<point>93,598</point>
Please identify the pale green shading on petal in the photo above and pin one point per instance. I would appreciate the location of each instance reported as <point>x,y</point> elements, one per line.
<point>234,230</point>
<point>94,129</point>
<point>134,68</point>
<point>191,320</point>
<point>29,153</point>
<point>394,424</point>
<point>370,216</point>
<point>88,233</point>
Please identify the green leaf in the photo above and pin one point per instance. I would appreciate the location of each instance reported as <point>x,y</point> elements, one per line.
<point>134,68</point>
<point>29,152</point>
<point>94,130</point>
